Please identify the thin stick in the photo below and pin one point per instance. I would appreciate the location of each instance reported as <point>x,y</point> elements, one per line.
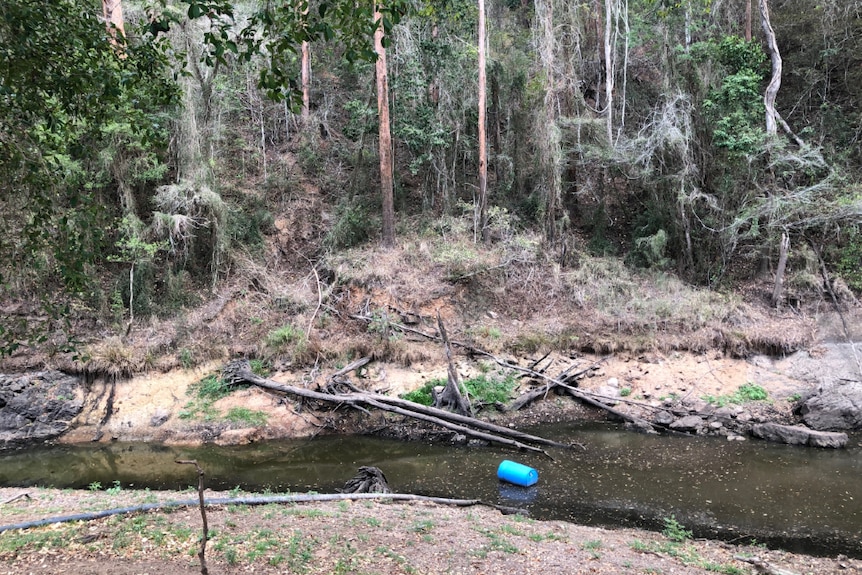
<point>16,498</point>
<point>203,549</point>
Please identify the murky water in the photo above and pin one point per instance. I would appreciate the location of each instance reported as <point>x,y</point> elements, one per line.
<point>804,499</point>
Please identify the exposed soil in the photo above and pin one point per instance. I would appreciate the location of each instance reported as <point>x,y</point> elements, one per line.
<point>152,407</point>
<point>349,537</point>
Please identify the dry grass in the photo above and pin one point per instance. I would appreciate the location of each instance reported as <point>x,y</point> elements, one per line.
<point>507,297</point>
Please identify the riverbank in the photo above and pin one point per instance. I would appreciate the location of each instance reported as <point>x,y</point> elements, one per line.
<point>349,537</point>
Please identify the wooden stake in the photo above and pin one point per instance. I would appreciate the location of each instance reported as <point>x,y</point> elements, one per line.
<point>203,550</point>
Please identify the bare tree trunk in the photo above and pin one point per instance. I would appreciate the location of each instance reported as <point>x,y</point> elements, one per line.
<point>112,10</point>
<point>482,219</point>
<point>548,130</point>
<point>777,290</point>
<point>748,20</point>
<point>609,72</point>
<point>775,82</point>
<point>306,80</point>
<point>450,397</point>
<point>384,135</point>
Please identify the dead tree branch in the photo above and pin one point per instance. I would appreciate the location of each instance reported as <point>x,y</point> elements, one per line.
<point>451,397</point>
<point>205,536</point>
<point>466,425</point>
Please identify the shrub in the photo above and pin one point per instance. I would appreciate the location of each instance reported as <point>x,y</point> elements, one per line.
<point>481,390</point>
<point>284,336</point>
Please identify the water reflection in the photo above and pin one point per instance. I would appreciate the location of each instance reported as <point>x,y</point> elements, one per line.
<point>806,498</point>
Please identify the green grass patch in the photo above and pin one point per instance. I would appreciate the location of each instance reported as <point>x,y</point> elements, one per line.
<point>482,389</point>
<point>746,392</point>
<point>679,547</point>
<point>246,416</point>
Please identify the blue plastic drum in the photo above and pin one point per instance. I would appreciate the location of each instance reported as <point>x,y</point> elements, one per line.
<point>517,473</point>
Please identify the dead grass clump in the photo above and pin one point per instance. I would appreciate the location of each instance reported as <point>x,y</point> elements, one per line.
<point>113,359</point>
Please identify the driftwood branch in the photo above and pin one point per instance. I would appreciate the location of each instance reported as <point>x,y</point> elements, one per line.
<point>466,425</point>
<point>586,397</point>
<point>205,536</point>
<point>16,498</point>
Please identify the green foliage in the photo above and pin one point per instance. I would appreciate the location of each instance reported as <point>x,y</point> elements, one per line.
<point>849,260</point>
<point>212,387</point>
<point>651,251</point>
<point>746,392</point>
<point>362,119</point>
<point>286,335</point>
<point>735,108</point>
<point>275,31</point>
<point>260,367</point>
<point>481,389</point>
<point>678,547</point>
<point>90,121</point>
<point>248,223</point>
<point>674,531</point>
<point>355,223</point>
<point>382,324</point>
<point>115,489</point>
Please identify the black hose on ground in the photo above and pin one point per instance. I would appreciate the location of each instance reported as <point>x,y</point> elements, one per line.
<point>299,498</point>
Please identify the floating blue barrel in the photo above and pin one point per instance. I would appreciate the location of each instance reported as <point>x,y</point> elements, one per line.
<point>517,473</point>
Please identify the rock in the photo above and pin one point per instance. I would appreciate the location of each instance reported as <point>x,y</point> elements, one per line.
<point>159,417</point>
<point>609,395</point>
<point>698,406</point>
<point>613,382</point>
<point>724,412</point>
<point>798,435</point>
<point>687,423</point>
<point>664,418</point>
<point>641,426</point>
<point>834,407</point>
<point>715,425</point>
<point>37,407</point>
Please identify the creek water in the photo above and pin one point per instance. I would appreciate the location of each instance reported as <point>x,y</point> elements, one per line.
<point>802,499</point>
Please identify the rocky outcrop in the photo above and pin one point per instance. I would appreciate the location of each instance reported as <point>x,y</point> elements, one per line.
<point>834,407</point>
<point>798,435</point>
<point>37,406</point>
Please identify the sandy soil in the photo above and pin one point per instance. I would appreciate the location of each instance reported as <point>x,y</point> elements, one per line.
<point>348,537</point>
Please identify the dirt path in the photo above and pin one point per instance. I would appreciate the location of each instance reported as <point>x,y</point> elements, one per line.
<point>349,537</point>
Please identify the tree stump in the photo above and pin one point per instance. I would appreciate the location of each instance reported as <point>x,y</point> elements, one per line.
<point>367,480</point>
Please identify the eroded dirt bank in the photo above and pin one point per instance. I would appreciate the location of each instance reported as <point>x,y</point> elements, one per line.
<point>161,408</point>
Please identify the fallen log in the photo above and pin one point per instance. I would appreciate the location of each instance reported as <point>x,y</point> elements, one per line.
<point>455,427</point>
<point>586,398</point>
<point>459,423</point>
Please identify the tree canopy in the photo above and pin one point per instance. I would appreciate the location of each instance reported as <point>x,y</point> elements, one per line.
<point>634,129</point>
